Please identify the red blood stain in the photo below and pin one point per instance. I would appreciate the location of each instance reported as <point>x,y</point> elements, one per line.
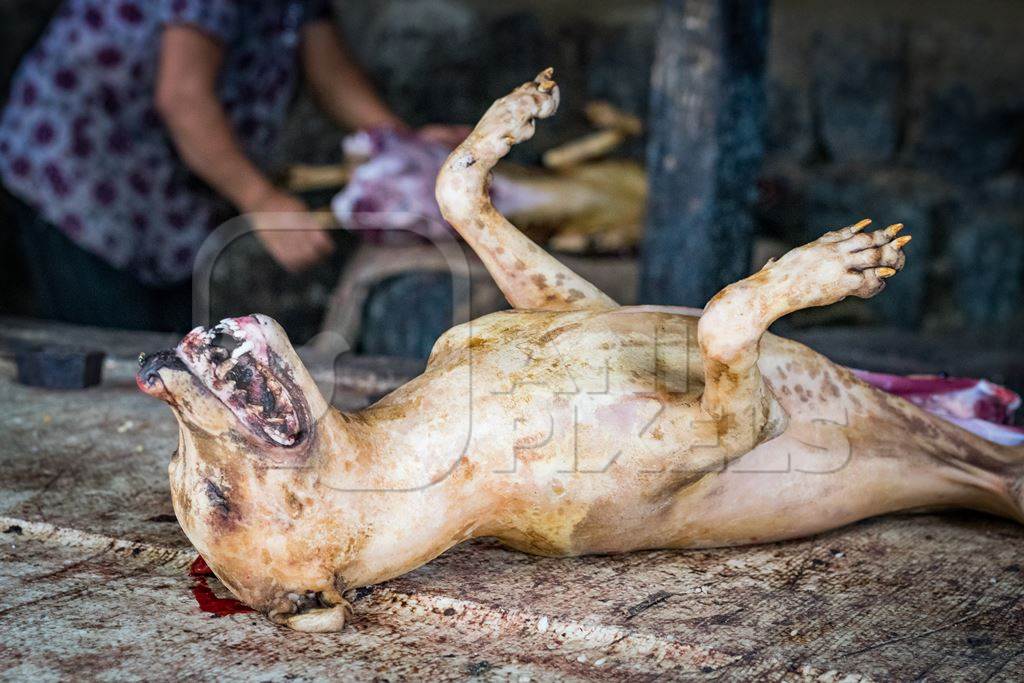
<point>204,595</point>
<point>199,567</point>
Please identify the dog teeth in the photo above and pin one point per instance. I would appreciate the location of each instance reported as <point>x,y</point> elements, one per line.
<point>201,333</point>
<point>231,327</point>
<point>242,349</point>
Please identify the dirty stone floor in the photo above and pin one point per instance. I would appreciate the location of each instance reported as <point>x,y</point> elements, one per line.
<point>93,570</point>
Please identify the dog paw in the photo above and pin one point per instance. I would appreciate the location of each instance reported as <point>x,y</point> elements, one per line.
<point>512,117</point>
<point>841,263</point>
<point>312,612</point>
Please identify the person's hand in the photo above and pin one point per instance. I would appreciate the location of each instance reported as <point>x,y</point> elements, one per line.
<point>446,134</point>
<point>289,232</point>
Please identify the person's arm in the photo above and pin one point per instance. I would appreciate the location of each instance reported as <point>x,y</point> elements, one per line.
<point>338,84</point>
<point>186,99</point>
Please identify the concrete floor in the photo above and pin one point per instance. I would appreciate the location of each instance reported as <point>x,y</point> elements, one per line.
<point>93,568</point>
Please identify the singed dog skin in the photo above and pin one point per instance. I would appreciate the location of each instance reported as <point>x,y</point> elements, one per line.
<point>566,426</point>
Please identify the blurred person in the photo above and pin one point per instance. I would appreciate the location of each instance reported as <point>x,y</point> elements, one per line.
<point>132,129</point>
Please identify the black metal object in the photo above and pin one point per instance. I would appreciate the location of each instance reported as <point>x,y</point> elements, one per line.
<point>59,367</point>
<point>405,315</point>
<point>706,143</point>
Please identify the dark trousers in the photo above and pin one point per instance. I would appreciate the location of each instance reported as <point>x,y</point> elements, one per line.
<point>73,285</point>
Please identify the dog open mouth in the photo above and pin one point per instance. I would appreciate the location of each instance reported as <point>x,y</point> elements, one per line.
<point>234,361</point>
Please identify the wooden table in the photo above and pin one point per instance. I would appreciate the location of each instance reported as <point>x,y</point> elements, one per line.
<point>93,574</point>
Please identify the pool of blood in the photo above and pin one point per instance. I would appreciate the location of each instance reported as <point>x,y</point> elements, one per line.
<point>204,595</point>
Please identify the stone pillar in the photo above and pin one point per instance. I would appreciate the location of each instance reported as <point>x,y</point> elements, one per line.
<point>706,124</point>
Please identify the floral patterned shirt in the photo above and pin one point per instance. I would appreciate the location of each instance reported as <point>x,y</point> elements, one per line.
<point>81,142</point>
